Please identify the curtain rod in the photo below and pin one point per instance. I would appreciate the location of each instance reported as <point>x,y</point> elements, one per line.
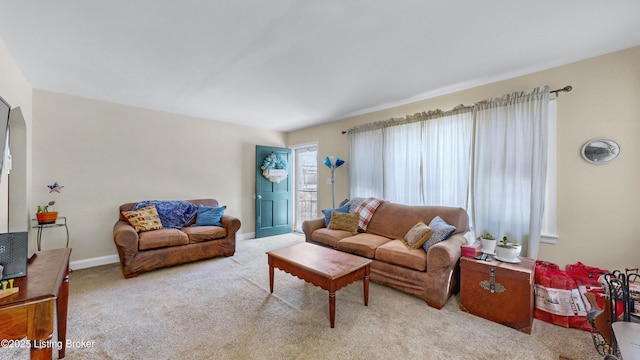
<point>567,88</point>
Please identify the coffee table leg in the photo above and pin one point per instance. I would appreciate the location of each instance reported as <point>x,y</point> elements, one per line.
<point>271,277</point>
<point>365,283</point>
<point>332,308</point>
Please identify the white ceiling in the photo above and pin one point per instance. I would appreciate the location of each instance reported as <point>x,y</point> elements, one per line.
<point>290,64</point>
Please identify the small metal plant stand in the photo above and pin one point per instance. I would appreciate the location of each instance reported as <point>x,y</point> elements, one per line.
<point>40,227</point>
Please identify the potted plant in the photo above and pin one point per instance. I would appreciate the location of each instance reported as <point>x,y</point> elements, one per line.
<point>44,216</point>
<point>508,251</point>
<point>488,243</point>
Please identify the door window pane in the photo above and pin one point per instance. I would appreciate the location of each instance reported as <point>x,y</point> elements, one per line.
<point>306,193</point>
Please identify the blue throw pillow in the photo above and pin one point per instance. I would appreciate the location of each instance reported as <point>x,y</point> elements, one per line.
<point>209,215</point>
<point>441,231</point>
<point>327,213</point>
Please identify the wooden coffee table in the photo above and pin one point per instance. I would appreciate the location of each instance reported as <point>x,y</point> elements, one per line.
<point>324,267</point>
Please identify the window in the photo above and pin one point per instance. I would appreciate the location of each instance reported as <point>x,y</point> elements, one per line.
<point>489,158</point>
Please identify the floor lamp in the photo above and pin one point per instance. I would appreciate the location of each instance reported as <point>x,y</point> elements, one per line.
<point>332,163</point>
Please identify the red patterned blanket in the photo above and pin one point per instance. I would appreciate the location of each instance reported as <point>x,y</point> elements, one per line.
<point>366,210</point>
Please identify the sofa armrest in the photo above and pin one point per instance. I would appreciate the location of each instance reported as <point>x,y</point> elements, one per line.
<point>126,239</point>
<point>311,225</point>
<point>445,253</point>
<point>231,224</point>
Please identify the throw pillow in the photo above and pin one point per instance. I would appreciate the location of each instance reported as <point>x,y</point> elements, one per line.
<point>174,214</point>
<point>144,219</point>
<point>417,235</point>
<point>441,231</point>
<point>209,215</point>
<point>327,213</point>
<point>344,221</point>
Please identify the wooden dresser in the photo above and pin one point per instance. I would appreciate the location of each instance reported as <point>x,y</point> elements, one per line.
<point>30,312</point>
<point>498,291</point>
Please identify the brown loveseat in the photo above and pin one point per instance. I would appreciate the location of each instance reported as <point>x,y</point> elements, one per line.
<point>431,275</point>
<point>149,250</point>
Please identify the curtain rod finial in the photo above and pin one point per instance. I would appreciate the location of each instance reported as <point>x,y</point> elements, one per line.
<point>564,89</point>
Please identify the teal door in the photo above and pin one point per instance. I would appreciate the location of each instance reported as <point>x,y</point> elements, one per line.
<point>273,196</point>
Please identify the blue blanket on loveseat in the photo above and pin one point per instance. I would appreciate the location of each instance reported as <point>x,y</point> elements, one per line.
<point>173,214</point>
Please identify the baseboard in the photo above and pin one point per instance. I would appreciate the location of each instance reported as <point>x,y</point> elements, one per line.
<point>112,259</point>
<point>246,236</point>
<point>87,263</point>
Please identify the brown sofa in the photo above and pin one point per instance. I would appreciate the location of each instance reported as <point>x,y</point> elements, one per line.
<point>431,275</point>
<point>150,250</point>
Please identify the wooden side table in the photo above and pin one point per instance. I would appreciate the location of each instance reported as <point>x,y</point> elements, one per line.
<point>498,291</point>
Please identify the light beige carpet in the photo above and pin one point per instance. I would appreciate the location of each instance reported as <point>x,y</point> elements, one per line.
<point>222,309</point>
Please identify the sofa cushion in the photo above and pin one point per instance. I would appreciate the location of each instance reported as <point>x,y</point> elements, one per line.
<point>441,231</point>
<point>329,237</point>
<point>209,215</point>
<point>198,234</point>
<point>161,238</point>
<point>394,252</point>
<point>417,235</point>
<point>327,213</point>
<point>144,219</point>
<point>363,244</point>
<point>394,220</point>
<point>343,221</point>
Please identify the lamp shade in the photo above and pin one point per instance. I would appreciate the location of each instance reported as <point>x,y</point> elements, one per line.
<point>330,161</point>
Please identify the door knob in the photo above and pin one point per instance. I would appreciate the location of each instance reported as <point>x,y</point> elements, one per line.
<point>258,197</point>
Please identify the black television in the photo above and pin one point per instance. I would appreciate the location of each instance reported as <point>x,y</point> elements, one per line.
<point>4,129</point>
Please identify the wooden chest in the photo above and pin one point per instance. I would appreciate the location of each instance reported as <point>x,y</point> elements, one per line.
<point>498,291</point>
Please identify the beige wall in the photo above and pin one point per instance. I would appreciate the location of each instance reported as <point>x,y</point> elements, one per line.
<point>13,86</point>
<point>597,204</point>
<point>106,154</point>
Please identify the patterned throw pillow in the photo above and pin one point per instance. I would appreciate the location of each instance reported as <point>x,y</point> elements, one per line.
<point>144,219</point>
<point>441,231</point>
<point>344,221</point>
<point>417,235</point>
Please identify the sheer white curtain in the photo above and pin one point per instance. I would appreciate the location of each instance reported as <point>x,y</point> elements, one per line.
<point>417,160</point>
<point>366,163</point>
<point>509,169</point>
<point>402,159</point>
<point>446,159</point>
